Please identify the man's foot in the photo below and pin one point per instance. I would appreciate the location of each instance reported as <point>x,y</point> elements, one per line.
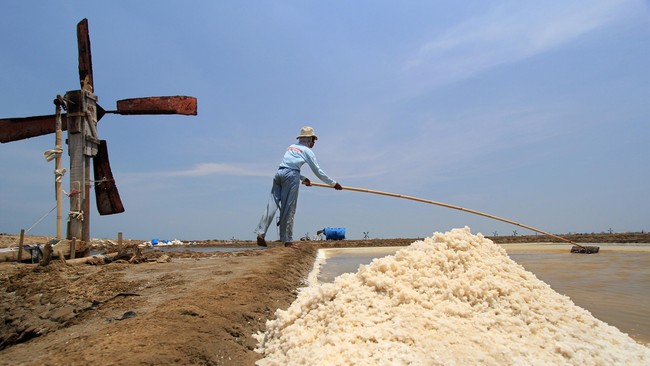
<point>291,245</point>
<point>260,240</point>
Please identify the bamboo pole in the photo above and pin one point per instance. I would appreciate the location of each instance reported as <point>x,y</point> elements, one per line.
<point>59,178</point>
<point>448,206</point>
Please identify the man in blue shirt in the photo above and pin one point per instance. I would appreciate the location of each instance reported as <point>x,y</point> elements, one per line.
<point>284,194</point>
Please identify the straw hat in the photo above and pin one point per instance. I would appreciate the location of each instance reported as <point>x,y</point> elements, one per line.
<point>307,132</point>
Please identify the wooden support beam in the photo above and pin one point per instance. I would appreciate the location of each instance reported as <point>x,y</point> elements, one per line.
<point>82,146</point>
<point>76,215</point>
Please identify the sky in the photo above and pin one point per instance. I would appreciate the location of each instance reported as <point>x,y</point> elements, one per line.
<point>537,112</point>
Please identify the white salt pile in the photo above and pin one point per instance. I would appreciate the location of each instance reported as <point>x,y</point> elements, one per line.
<point>452,299</point>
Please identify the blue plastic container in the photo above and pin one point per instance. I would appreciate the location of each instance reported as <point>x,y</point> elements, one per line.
<point>334,233</point>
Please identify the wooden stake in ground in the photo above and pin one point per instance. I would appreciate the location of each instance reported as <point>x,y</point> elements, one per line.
<point>73,247</point>
<point>47,255</point>
<point>20,246</point>
<point>119,241</point>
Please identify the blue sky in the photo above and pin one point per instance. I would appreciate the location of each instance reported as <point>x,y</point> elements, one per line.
<point>536,112</point>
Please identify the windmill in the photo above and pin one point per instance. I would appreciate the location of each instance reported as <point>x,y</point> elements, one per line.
<point>84,145</point>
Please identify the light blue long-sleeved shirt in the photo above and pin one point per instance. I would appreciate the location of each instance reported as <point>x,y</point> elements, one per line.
<point>297,155</point>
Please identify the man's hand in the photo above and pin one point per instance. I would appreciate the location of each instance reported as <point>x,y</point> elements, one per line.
<point>306,182</point>
<point>337,186</point>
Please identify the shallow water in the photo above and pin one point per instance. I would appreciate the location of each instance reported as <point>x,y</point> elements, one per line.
<point>614,285</point>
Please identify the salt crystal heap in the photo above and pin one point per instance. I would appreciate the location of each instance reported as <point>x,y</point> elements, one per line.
<point>452,299</point>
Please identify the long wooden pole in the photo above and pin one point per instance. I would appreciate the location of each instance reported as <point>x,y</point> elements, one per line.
<point>448,206</point>
<point>58,174</point>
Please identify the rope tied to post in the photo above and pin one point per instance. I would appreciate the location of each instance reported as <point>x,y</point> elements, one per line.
<point>77,215</point>
<point>102,181</point>
<point>53,153</point>
<point>59,173</point>
<point>71,193</point>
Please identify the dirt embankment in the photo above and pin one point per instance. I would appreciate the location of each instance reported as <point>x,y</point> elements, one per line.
<point>200,311</point>
<point>578,238</point>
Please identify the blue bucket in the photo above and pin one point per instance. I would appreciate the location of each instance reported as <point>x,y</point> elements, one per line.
<point>334,233</point>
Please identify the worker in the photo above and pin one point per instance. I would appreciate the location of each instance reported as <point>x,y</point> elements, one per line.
<point>284,194</point>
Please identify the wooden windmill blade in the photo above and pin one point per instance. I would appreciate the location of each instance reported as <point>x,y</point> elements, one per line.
<point>20,128</point>
<point>15,129</point>
<point>178,104</point>
<point>107,196</point>
<point>85,57</point>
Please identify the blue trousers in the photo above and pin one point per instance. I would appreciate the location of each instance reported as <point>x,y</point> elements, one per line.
<point>284,195</point>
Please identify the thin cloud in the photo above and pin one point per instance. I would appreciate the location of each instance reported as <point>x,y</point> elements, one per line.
<point>508,34</point>
<point>205,169</point>
<point>200,170</point>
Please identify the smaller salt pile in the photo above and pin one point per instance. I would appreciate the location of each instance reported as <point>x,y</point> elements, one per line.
<point>452,299</point>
